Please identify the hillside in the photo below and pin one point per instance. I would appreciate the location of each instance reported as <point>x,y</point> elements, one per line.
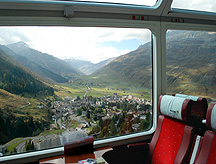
<point>87,67</point>
<point>46,61</point>
<point>11,101</point>
<point>34,67</point>
<point>134,67</point>
<point>190,64</point>
<point>15,78</point>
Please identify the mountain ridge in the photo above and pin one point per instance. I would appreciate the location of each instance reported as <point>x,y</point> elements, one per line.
<point>86,66</point>
<point>16,78</point>
<point>45,60</point>
<point>190,64</point>
<point>34,66</point>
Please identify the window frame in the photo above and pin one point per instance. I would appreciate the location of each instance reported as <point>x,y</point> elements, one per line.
<point>187,26</point>
<point>153,26</point>
<point>159,20</point>
<point>113,141</point>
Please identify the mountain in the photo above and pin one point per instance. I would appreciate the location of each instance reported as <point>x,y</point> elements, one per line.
<point>52,64</point>
<point>11,101</point>
<point>16,78</point>
<point>132,67</point>
<point>190,58</point>
<point>191,62</point>
<point>87,67</point>
<point>34,67</point>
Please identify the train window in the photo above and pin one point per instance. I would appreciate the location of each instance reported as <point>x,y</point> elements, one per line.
<point>63,83</point>
<point>134,2</point>
<point>201,5</point>
<point>190,67</point>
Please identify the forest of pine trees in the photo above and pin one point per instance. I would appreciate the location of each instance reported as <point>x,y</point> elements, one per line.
<point>12,127</point>
<point>16,80</point>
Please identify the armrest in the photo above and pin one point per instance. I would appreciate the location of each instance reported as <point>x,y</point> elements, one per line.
<point>139,145</point>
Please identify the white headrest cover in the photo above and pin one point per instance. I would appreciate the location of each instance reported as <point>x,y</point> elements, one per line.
<point>213,118</point>
<point>172,106</point>
<point>194,98</point>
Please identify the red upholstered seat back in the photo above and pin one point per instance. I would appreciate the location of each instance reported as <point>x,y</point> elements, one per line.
<point>208,149</point>
<point>172,140</point>
<point>168,142</point>
<point>212,154</point>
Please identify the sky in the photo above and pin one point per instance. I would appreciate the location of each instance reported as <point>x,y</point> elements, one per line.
<point>93,44</point>
<point>89,43</point>
<point>203,5</point>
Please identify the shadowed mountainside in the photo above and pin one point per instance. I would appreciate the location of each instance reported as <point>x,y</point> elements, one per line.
<point>50,66</point>
<point>190,64</point>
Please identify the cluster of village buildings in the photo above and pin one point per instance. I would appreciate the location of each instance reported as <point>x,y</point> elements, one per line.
<point>70,105</point>
<point>68,108</point>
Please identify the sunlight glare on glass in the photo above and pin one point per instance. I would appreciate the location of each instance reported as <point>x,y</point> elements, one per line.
<point>202,5</point>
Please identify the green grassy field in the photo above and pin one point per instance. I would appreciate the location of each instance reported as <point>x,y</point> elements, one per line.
<point>73,124</point>
<point>14,140</point>
<point>66,90</point>
<point>101,89</point>
<point>48,132</point>
<point>11,147</point>
<point>11,101</point>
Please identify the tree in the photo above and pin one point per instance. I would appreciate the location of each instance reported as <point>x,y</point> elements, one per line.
<point>15,150</point>
<point>20,128</point>
<point>136,120</point>
<point>88,114</point>
<point>79,112</point>
<point>78,98</point>
<point>95,129</point>
<point>121,120</point>
<point>29,145</point>
<point>145,124</point>
<point>125,128</point>
<point>112,128</point>
<point>104,132</point>
<point>101,123</point>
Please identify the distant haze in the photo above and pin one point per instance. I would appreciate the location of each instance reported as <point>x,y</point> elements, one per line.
<point>88,43</point>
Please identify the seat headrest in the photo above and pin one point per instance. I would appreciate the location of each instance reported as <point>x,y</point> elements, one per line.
<point>175,107</point>
<point>211,116</point>
<point>199,105</point>
<point>193,98</point>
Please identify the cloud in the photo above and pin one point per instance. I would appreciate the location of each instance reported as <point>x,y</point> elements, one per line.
<point>203,5</point>
<point>66,42</point>
<point>118,34</point>
<point>10,35</point>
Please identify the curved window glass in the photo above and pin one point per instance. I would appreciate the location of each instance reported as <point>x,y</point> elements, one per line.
<point>191,63</point>
<point>134,2</point>
<point>201,5</point>
<point>58,84</point>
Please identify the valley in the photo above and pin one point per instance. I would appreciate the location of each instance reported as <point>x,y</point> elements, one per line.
<point>48,100</point>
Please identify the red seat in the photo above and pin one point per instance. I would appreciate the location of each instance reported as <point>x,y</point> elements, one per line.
<point>207,153</point>
<point>173,137</point>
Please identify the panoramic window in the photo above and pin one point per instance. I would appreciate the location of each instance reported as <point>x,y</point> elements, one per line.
<point>191,63</point>
<point>134,2</point>
<point>58,84</point>
<point>202,5</point>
